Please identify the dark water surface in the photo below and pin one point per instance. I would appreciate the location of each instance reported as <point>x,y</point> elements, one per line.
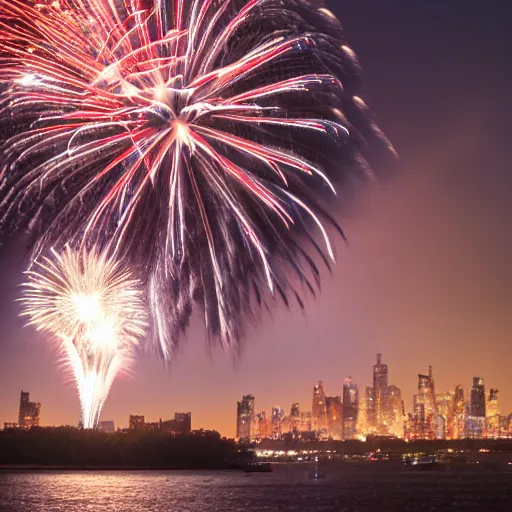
<point>353,487</point>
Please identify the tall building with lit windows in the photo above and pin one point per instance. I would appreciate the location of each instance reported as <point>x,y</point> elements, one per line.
<point>319,411</point>
<point>29,412</point>
<point>475,427</point>
<point>459,412</point>
<point>371,421</point>
<point>245,417</point>
<point>446,413</point>
<point>277,422</point>
<point>261,430</point>
<point>396,412</point>
<point>425,408</point>
<point>380,396</point>
<point>493,416</point>
<point>295,418</point>
<point>334,424</point>
<point>350,408</point>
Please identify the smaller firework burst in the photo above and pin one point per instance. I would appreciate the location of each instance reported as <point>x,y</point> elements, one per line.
<point>94,308</point>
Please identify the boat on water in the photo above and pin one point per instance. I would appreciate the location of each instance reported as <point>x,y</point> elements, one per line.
<point>258,467</point>
<point>421,462</point>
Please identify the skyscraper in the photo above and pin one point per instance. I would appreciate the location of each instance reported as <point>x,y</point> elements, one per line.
<point>333,411</point>
<point>319,408</point>
<point>371,420</point>
<point>476,420</point>
<point>380,395</point>
<point>425,409</point>
<point>261,426</point>
<point>350,408</point>
<point>277,422</point>
<point>493,419</point>
<point>29,411</point>
<point>478,398</point>
<point>459,412</point>
<point>245,417</point>
<point>396,412</point>
<point>446,410</point>
<point>295,418</point>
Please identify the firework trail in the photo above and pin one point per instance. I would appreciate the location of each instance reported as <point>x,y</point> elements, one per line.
<point>94,308</point>
<point>196,139</point>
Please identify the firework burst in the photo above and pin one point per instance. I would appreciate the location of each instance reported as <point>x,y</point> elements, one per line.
<point>196,139</point>
<point>94,308</point>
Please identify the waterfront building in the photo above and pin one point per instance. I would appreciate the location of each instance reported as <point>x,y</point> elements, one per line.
<point>137,422</point>
<point>245,417</point>
<point>29,412</point>
<point>319,411</point>
<point>334,412</point>
<point>350,408</point>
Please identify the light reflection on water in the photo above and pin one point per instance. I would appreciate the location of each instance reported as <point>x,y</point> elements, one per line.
<point>294,489</point>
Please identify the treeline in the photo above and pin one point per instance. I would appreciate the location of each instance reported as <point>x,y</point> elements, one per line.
<point>70,447</point>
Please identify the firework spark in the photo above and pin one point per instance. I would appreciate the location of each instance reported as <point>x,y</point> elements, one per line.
<point>197,139</point>
<point>94,308</point>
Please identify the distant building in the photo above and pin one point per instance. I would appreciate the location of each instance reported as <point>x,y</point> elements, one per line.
<point>261,427</point>
<point>446,411</point>
<point>245,417</point>
<point>478,398</point>
<point>334,412</point>
<point>425,408</point>
<point>396,412</point>
<point>137,422</point>
<point>459,413</point>
<point>380,395</point>
<point>371,422</point>
<point>295,418</point>
<point>493,415</point>
<point>350,405</point>
<point>475,427</point>
<point>277,422</point>
<point>106,426</point>
<point>319,411</point>
<point>29,411</point>
<point>181,424</point>
<point>306,422</point>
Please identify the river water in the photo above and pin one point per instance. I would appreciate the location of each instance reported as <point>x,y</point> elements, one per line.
<point>353,487</point>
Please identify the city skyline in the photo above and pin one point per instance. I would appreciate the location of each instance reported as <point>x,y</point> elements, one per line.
<point>378,410</point>
<point>425,276</point>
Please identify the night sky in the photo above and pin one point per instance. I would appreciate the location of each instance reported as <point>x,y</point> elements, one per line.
<point>426,278</point>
